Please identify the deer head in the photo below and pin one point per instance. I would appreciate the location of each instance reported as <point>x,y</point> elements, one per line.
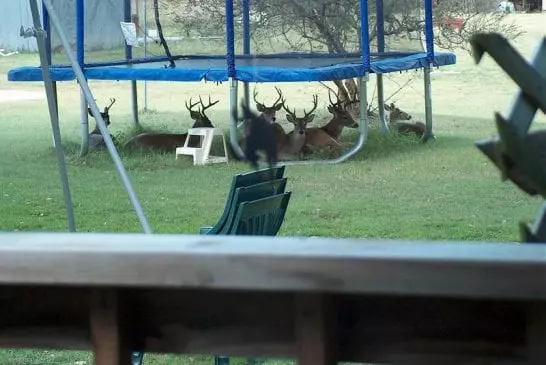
<point>300,123</point>
<point>105,115</point>
<point>270,112</point>
<point>199,116</point>
<point>340,113</point>
<point>396,113</point>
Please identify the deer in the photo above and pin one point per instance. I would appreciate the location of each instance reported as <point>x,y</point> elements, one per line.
<point>95,137</point>
<point>328,135</point>
<point>170,141</point>
<point>398,118</point>
<point>294,141</point>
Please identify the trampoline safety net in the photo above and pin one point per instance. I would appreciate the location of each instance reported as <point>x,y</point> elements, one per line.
<point>198,27</point>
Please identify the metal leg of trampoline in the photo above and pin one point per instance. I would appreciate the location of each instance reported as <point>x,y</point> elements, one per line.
<point>54,18</point>
<point>381,104</point>
<point>428,105</point>
<point>246,94</point>
<point>134,104</point>
<point>233,86</point>
<point>84,125</point>
<point>362,128</point>
<point>53,115</point>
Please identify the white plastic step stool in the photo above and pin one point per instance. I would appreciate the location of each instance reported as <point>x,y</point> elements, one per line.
<point>201,154</point>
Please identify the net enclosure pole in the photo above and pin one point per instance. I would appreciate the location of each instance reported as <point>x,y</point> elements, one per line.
<point>429,37</point>
<point>127,17</point>
<point>246,44</point>
<point>100,121</point>
<point>380,26</point>
<point>53,116</point>
<point>80,54</point>
<point>233,85</point>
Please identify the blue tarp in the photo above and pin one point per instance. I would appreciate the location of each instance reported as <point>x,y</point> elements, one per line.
<point>256,69</point>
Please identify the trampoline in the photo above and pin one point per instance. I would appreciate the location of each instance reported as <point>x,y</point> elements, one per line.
<point>248,52</point>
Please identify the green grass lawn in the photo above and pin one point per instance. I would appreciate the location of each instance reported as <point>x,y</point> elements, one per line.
<point>395,188</point>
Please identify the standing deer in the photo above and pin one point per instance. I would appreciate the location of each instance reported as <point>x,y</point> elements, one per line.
<point>95,137</point>
<point>170,141</point>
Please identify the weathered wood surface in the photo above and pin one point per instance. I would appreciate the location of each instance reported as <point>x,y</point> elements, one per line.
<point>318,301</point>
<point>459,269</point>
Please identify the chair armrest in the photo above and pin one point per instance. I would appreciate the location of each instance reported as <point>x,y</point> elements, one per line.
<point>205,230</point>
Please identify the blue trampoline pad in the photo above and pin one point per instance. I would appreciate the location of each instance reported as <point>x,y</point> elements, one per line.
<point>266,68</point>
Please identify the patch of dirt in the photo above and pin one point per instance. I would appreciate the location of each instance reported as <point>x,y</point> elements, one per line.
<point>20,95</point>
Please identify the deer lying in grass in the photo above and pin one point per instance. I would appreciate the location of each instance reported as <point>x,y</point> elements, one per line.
<point>95,137</point>
<point>168,142</point>
<point>262,135</point>
<point>398,117</point>
<point>291,144</point>
<point>328,135</point>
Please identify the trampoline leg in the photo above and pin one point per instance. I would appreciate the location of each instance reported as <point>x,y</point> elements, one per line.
<point>428,106</point>
<point>233,85</point>
<point>246,95</point>
<point>134,95</point>
<point>84,125</point>
<point>381,104</point>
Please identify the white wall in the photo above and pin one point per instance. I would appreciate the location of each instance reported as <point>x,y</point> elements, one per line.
<point>101,23</point>
<point>14,14</point>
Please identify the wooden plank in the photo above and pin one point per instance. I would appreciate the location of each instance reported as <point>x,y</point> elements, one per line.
<point>110,346</point>
<point>315,322</point>
<point>275,263</point>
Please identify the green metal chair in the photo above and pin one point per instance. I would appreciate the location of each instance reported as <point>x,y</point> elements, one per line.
<point>243,180</point>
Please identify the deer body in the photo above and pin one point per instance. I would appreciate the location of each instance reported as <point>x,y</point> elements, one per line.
<point>168,142</point>
<point>399,119</point>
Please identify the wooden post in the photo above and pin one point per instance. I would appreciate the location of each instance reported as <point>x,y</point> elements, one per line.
<point>315,329</point>
<point>536,334</point>
<point>109,343</point>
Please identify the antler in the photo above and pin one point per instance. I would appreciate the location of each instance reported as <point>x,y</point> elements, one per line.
<point>336,104</point>
<point>306,114</point>
<point>255,94</point>
<point>112,101</point>
<point>208,106</point>
<point>281,99</point>
<point>190,107</point>
<point>315,104</point>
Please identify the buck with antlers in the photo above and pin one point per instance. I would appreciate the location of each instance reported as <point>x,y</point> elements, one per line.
<point>294,142</point>
<point>95,137</point>
<point>170,141</point>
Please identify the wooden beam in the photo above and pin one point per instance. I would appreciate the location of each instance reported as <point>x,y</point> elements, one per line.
<point>444,269</point>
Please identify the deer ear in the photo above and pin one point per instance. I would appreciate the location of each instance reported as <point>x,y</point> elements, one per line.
<point>260,107</point>
<point>278,107</point>
<point>330,109</point>
<point>290,118</point>
<point>310,118</point>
